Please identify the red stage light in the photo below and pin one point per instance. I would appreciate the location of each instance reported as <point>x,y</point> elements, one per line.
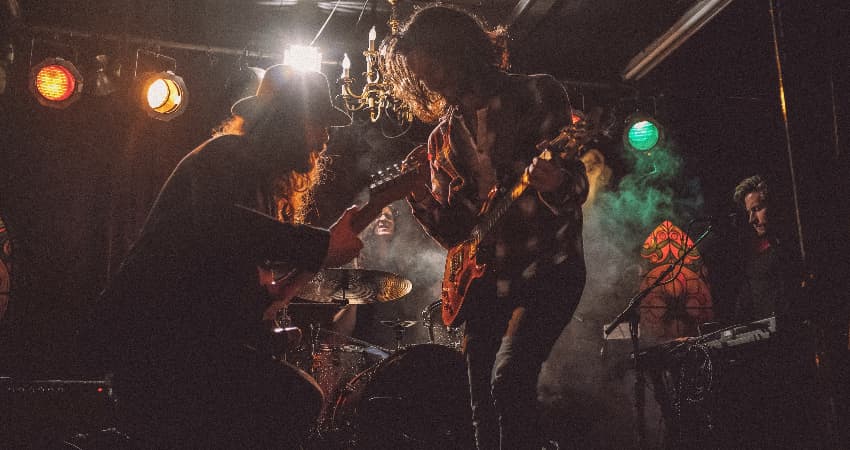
<point>56,83</point>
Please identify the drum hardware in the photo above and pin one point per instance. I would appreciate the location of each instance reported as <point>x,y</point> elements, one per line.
<point>399,327</point>
<point>416,398</point>
<point>333,365</point>
<point>438,333</point>
<point>369,347</point>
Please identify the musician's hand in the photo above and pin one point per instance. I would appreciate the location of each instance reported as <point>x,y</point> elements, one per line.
<point>344,245</point>
<point>545,175</point>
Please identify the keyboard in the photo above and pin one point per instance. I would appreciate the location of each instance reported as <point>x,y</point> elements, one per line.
<point>736,335</point>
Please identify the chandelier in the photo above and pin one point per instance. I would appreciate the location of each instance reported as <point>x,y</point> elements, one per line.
<point>375,95</point>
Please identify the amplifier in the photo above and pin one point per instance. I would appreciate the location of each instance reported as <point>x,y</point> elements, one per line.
<point>37,413</point>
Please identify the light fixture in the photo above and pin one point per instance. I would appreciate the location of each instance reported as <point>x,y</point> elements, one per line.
<point>577,116</point>
<point>158,90</point>
<point>690,22</point>
<point>375,95</point>
<point>56,83</point>
<point>104,82</point>
<point>642,133</point>
<point>162,95</point>
<point>303,58</point>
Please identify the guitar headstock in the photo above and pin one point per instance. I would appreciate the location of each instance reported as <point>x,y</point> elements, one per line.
<point>573,138</point>
<point>403,173</point>
<point>386,176</point>
<point>386,186</point>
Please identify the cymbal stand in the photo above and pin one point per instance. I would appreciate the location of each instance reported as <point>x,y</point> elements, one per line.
<point>632,314</point>
<point>316,329</point>
<point>399,327</point>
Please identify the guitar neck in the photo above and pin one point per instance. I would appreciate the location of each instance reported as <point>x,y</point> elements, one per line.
<point>567,148</point>
<point>498,209</point>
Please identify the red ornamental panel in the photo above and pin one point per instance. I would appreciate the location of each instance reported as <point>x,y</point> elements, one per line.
<point>683,301</point>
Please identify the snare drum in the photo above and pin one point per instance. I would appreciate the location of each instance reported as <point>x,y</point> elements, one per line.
<point>437,332</point>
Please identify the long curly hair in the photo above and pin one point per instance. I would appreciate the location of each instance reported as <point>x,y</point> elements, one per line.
<point>291,191</point>
<point>450,36</point>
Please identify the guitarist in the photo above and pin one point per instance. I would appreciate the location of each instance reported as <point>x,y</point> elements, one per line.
<point>174,323</point>
<point>448,68</point>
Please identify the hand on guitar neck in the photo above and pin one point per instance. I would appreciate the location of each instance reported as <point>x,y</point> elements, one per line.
<point>391,185</point>
<point>545,175</point>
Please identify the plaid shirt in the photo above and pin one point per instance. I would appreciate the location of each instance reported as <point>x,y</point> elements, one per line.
<point>540,235</point>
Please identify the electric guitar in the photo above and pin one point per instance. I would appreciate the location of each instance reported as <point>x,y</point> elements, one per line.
<point>283,282</point>
<point>462,268</point>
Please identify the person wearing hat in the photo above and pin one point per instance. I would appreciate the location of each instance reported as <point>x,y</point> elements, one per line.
<point>177,323</point>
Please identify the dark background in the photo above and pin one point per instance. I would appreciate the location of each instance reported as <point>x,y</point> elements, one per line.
<point>75,184</point>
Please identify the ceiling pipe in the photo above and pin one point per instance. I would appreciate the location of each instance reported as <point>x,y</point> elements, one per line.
<point>695,18</point>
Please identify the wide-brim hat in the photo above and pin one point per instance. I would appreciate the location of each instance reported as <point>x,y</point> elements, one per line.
<point>302,92</point>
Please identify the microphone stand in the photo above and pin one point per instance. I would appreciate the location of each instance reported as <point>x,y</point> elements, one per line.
<point>631,313</point>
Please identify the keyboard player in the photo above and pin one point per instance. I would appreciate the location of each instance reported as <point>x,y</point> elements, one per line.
<point>770,398</point>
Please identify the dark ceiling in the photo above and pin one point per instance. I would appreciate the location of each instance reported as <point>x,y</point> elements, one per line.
<point>589,40</point>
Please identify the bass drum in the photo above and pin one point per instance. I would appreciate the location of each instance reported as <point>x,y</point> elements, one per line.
<point>418,398</point>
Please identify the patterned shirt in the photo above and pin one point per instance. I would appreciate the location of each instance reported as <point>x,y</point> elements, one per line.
<point>538,241</point>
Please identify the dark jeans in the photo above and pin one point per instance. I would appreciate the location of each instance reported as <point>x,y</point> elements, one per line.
<point>505,350</point>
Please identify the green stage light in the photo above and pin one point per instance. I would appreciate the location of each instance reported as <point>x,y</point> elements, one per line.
<point>642,133</point>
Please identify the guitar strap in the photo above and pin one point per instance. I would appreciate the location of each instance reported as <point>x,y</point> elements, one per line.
<point>443,154</point>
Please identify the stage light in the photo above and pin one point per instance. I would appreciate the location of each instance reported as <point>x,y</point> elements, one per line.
<point>162,95</point>
<point>577,116</point>
<point>303,58</point>
<point>56,83</point>
<point>642,133</point>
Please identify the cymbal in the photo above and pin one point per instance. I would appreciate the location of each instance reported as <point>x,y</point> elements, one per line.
<point>396,324</point>
<point>355,286</point>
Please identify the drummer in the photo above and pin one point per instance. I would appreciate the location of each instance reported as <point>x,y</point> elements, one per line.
<point>384,244</point>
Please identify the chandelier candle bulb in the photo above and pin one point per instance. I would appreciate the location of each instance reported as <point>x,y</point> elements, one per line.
<point>346,66</point>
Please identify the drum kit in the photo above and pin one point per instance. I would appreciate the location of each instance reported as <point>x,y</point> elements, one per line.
<point>414,396</point>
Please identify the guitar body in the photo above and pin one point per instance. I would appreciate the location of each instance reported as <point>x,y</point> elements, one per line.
<point>462,269</point>
<point>461,272</point>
